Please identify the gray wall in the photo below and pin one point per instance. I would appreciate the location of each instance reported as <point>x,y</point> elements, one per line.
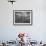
<point>38,30</point>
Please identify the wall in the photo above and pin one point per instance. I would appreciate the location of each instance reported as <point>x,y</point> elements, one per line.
<point>38,30</point>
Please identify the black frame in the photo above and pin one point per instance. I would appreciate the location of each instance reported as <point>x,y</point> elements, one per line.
<point>23,23</point>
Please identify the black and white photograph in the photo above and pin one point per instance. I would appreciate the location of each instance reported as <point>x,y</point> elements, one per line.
<point>22,16</point>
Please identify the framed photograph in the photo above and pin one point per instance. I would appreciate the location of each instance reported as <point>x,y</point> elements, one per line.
<point>22,17</point>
